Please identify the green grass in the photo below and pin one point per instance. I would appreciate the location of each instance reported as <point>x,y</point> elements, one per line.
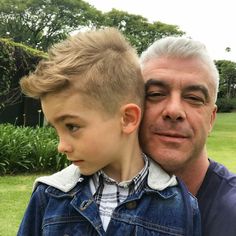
<point>15,191</point>
<point>221,143</point>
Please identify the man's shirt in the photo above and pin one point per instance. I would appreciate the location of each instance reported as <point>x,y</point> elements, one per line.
<point>217,201</point>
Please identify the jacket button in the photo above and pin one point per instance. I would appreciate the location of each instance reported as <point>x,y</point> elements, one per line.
<point>131,205</point>
<point>85,204</point>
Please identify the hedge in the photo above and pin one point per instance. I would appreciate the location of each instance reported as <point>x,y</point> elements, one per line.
<point>31,150</point>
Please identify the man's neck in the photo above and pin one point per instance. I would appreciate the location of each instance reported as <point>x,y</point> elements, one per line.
<point>194,174</point>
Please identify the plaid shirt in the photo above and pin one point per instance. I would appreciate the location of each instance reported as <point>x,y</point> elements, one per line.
<point>108,194</point>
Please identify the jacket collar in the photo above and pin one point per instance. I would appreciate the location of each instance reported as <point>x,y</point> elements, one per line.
<point>158,179</point>
<point>66,179</point>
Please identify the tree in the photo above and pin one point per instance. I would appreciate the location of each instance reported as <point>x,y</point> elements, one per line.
<point>16,61</point>
<point>138,30</point>
<point>227,71</point>
<point>40,24</point>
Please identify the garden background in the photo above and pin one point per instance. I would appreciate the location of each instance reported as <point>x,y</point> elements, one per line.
<point>28,148</point>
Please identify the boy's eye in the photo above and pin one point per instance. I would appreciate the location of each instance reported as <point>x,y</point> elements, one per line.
<point>72,127</point>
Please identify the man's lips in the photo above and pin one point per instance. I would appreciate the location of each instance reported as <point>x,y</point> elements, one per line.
<point>170,138</point>
<point>171,134</point>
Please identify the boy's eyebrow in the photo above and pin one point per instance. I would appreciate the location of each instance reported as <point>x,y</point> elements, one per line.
<point>62,118</point>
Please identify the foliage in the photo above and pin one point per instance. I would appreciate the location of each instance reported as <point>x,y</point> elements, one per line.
<point>16,60</point>
<point>23,47</point>
<point>233,101</point>
<point>226,104</point>
<point>7,67</point>
<point>29,149</point>
<point>137,29</point>
<point>227,71</point>
<point>43,23</point>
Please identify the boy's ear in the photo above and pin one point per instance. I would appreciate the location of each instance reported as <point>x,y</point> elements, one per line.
<point>130,117</point>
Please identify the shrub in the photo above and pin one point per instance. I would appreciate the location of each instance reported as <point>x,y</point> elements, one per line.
<point>233,101</point>
<point>225,105</point>
<point>16,61</point>
<point>27,149</point>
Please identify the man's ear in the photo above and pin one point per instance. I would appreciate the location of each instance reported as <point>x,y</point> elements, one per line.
<point>130,117</point>
<point>213,118</point>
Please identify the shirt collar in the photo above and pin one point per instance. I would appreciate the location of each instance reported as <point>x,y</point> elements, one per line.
<point>67,178</point>
<point>101,177</point>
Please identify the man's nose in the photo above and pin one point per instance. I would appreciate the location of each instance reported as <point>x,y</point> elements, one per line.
<point>64,147</point>
<point>174,109</point>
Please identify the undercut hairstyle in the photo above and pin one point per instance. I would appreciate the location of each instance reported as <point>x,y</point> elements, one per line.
<point>183,48</point>
<point>100,64</point>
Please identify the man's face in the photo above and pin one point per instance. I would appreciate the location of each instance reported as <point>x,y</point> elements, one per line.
<point>179,112</point>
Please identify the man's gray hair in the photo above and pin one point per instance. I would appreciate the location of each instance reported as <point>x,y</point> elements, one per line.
<point>180,47</point>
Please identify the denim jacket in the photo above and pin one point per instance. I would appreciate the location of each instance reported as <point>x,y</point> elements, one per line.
<point>62,205</point>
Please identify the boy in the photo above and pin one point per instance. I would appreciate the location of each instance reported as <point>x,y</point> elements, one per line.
<point>92,93</point>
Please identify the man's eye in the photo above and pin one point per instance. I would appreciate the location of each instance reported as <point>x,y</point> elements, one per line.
<point>153,96</point>
<point>196,100</point>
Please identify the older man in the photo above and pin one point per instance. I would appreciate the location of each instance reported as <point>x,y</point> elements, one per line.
<point>181,90</point>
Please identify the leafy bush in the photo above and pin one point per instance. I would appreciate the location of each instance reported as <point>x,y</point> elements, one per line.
<point>27,149</point>
<point>233,102</point>
<point>16,61</point>
<point>226,104</point>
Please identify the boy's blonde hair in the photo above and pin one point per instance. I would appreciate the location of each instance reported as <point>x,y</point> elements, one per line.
<point>100,64</point>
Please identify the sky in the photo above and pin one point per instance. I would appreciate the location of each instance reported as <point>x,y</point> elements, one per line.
<point>213,22</point>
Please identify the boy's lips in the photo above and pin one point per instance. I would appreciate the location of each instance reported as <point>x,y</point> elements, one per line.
<point>76,162</point>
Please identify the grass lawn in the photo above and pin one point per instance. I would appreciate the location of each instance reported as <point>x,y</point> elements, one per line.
<point>221,143</point>
<point>15,191</point>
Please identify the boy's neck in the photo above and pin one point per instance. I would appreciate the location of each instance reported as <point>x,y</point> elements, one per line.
<point>130,165</point>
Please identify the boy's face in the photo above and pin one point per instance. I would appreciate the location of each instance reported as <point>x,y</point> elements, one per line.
<point>90,138</point>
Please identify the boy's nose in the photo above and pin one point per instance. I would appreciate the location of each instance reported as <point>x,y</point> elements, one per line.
<point>64,147</point>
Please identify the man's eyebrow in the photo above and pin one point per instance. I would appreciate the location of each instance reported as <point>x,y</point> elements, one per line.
<point>161,83</point>
<point>200,88</point>
<point>155,82</point>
